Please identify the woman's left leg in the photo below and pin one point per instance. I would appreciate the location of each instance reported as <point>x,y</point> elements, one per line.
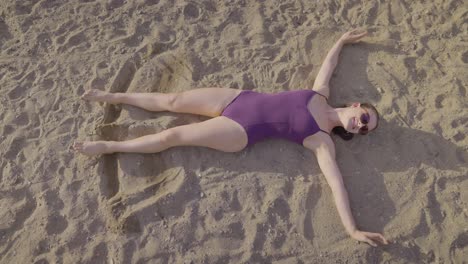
<point>219,133</point>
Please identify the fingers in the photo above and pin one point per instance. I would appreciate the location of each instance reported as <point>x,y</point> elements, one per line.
<point>370,242</point>
<point>354,36</point>
<point>382,239</point>
<point>363,34</point>
<point>373,239</point>
<point>377,237</point>
<point>356,32</point>
<point>358,37</point>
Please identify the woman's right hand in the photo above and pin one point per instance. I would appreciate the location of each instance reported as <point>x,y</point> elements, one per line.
<point>373,239</point>
<point>353,36</point>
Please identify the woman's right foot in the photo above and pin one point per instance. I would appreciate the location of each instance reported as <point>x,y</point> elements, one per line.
<point>100,96</point>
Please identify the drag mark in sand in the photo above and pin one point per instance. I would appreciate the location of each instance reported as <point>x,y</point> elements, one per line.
<point>126,74</point>
<point>121,83</point>
<point>133,209</point>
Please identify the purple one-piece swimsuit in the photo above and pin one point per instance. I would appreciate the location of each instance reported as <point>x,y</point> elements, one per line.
<point>280,115</point>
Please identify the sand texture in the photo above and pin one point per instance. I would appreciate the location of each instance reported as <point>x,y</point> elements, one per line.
<point>267,204</point>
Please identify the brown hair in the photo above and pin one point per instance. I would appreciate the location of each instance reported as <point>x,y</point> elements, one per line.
<point>345,135</point>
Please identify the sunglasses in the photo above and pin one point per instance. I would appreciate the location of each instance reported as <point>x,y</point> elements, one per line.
<point>364,120</point>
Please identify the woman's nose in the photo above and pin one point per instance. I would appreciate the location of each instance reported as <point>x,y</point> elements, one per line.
<point>359,123</point>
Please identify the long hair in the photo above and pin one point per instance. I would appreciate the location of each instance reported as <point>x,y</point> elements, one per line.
<point>345,135</point>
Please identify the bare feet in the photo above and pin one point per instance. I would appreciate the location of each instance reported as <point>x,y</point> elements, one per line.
<point>100,96</point>
<point>91,148</point>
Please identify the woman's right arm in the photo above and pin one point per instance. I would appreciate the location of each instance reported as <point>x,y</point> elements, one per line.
<point>321,83</point>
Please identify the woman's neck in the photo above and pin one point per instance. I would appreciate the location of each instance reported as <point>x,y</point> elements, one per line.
<point>333,115</point>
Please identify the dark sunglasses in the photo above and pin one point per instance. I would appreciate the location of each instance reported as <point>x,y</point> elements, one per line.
<point>364,120</point>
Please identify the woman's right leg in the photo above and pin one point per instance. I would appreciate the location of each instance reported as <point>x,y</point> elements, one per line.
<point>219,133</point>
<point>203,101</point>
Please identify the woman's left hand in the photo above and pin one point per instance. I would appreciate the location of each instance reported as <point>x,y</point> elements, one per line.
<point>353,36</point>
<point>373,239</point>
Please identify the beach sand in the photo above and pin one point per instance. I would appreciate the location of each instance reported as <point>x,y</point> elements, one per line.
<point>267,204</point>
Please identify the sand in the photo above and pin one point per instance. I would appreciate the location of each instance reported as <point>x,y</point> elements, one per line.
<point>267,204</point>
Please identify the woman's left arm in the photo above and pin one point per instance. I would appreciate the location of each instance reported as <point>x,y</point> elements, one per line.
<point>325,153</point>
<point>321,83</point>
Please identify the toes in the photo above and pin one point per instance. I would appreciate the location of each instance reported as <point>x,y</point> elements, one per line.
<point>89,93</point>
<point>78,145</point>
<point>86,93</point>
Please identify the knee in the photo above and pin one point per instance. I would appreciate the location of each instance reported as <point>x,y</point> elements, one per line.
<point>170,138</point>
<point>174,102</point>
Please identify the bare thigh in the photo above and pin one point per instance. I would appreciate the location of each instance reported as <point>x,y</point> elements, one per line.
<point>219,133</point>
<point>203,101</point>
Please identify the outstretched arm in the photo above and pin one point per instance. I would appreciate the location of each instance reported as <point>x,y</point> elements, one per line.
<point>321,84</point>
<point>325,153</point>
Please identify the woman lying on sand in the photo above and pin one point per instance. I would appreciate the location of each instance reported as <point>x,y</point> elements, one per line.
<point>241,118</point>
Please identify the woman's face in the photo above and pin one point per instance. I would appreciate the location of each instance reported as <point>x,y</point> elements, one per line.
<point>358,119</point>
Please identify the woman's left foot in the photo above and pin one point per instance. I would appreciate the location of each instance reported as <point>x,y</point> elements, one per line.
<point>91,148</point>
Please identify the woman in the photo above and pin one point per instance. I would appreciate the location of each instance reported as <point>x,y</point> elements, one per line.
<point>241,118</point>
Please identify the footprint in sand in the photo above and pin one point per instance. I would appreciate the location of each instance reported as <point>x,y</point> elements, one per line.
<point>16,93</point>
<point>79,40</point>
<point>22,119</point>
<point>438,101</point>
<point>278,212</point>
<point>192,11</point>
<point>114,4</point>
<point>459,248</point>
<point>56,223</point>
<point>17,206</point>
<point>460,136</point>
<point>464,57</point>
<point>16,148</point>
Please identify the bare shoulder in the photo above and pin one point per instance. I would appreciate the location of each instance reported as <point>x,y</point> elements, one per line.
<point>319,142</point>
<point>323,90</point>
